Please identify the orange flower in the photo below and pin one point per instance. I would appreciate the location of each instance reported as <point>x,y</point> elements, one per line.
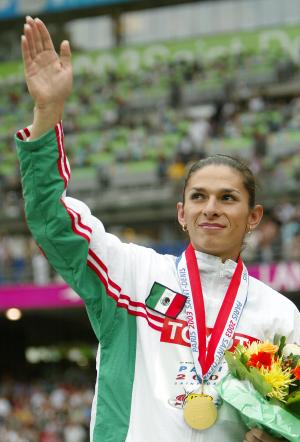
<point>296,372</point>
<point>261,359</point>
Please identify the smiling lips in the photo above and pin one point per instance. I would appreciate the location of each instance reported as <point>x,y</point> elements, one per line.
<point>213,226</point>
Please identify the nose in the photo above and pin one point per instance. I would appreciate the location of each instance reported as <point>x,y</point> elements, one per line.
<point>211,208</point>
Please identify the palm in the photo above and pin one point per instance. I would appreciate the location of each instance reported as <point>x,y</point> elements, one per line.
<point>48,76</point>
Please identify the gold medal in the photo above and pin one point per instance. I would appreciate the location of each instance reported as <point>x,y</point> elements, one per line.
<point>200,411</point>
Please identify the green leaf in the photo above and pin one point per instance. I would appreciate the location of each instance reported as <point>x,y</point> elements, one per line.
<point>293,402</point>
<point>295,359</point>
<point>293,397</point>
<point>276,340</point>
<point>235,366</point>
<point>244,358</point>
<point>281,345</point>
<point>231,362</point>
<point>259,382</point>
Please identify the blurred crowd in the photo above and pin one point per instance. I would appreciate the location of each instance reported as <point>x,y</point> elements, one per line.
<point>21,261</point>
<point>278,235</point>
<point>165,116</point>
<point>43,411</point>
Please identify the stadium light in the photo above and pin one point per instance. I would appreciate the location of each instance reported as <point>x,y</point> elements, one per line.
<point>13,314</point>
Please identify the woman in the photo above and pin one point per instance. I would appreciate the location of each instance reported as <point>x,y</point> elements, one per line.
<point>140,303</point>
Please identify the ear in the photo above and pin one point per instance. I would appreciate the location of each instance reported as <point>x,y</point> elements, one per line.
<point>180,214</point>
<point>255,216</point>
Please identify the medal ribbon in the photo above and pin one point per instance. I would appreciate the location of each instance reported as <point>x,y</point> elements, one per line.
<point>206,358</point>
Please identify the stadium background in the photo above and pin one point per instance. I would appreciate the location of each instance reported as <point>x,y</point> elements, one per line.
<point>157,84</point>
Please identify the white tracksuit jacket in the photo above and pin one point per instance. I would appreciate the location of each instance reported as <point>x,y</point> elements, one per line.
<point>144,362</point>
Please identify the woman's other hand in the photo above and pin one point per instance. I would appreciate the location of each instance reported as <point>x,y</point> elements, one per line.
<point>257,435</point>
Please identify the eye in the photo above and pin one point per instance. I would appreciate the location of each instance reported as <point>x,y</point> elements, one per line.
<point>228,197</point>
<point>197,196</point>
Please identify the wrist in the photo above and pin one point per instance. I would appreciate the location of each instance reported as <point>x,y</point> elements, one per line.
<point>45,118</point>
<point>52,112</point>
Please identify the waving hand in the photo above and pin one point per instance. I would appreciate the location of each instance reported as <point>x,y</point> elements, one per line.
<point>48,75</point>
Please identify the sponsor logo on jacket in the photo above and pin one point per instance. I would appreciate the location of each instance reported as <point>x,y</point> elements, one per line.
<point>176,331</point>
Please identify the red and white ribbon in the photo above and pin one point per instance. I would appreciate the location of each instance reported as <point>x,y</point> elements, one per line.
<point>207,356</point>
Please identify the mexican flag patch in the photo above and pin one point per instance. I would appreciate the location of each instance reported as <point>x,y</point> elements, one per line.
<point>165,301</point>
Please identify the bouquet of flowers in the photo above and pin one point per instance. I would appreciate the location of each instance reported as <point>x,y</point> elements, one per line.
<point>263,384</point>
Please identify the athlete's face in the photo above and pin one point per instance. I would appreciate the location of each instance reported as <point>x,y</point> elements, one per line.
<point>216,211</point>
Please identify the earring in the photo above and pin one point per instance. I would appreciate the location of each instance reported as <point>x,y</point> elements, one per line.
<point>184,228</point>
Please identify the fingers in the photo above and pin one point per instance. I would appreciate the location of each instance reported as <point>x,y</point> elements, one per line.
<point>27,59</point>
<point>44,35</point>
<point>37,36</point>
<point>250,438</point>
<point>65,53</point>
<point>258,435</point>
<point>254,435</point>
<point>30,40</point>
<point>262,435</point>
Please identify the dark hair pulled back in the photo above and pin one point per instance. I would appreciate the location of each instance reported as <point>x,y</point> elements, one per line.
<point>234,163</point>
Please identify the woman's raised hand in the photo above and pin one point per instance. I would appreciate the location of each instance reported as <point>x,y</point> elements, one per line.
<point>48,75</point>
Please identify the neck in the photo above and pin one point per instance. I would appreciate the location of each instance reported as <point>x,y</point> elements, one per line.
<point>223,256</point>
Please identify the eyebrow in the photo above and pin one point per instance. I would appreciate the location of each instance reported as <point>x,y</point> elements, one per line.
<point>222,190</point>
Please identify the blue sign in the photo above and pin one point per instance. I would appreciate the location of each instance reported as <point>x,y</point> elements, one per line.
<point>19,8</point>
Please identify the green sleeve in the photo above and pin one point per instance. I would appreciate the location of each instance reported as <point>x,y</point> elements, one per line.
<point>61,231</point>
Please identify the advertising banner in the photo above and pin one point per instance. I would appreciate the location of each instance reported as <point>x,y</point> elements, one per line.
<point>281,276</point>
<point>38,297</point>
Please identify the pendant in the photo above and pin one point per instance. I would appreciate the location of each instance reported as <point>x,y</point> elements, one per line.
<point>200,411</point>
